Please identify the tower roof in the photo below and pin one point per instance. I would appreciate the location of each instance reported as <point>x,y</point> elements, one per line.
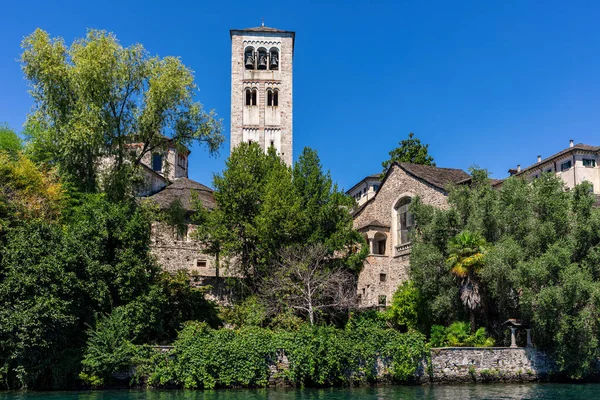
<point>262,29</point>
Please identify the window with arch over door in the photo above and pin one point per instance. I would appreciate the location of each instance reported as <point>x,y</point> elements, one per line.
<point>404,221</point>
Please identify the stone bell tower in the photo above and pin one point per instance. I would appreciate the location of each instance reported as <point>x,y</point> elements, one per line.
<point>261,88</point>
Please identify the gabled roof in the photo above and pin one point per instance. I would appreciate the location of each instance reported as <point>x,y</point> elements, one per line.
<point>435,176</point>
<point>577,147</point>
<point>182,189</point>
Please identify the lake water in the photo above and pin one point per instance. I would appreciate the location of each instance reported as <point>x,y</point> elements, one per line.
<point>481,391</point>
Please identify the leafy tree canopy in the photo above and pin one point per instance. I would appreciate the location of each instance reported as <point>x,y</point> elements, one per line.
<point>411,151</point>
<point>95,98</point>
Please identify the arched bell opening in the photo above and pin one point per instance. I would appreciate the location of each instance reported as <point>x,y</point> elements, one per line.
<point>262,58</point>
<point>249,58</point>
<point>274,58</point>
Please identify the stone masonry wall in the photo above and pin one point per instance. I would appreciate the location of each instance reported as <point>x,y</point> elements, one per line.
<point>173,255</point>
<point>393,264</point>
<point>478,364</point>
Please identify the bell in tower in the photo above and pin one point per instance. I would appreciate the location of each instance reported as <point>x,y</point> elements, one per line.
<point>274,61</point>
<point>249,58</point>
<point>262,59</point>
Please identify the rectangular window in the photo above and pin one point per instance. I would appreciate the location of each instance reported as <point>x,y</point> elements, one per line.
<point>549,170</point>
<point>382,300</point>
<point>565,166</point>
<point>375,188</point>
<point>181,160</point>
<point>157,162</point>
<point>589,162</point>
<point>201,263</point>
<point>382,277</point>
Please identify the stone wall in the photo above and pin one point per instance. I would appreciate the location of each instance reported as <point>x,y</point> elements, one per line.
<point>491,364</point>
<point>174,253</point>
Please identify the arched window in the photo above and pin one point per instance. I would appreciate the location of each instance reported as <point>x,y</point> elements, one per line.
<point>404,221</point>
<point>262,58</point>
<point>273,59</point>
<point>272,98</point>
<point>249,58</point>
<point>250,97</point>
<point>379,243</point>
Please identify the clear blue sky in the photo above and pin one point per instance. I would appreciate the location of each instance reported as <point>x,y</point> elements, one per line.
<point>492,83</point>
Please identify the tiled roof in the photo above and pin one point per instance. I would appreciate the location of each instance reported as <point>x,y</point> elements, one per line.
<point>438,177</point>
<point>577,147</point>
<point>262,29</point>
<point>182,189</point>
<point>375,223</point>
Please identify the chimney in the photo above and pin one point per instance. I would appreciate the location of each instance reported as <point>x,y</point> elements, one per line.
<point>519,168</point>
<point>539,158</point>
<point>571,143</point>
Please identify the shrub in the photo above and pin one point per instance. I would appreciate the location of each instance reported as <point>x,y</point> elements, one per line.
<point>317,356</point>
<point>458,334</point>
<point>108,350</point>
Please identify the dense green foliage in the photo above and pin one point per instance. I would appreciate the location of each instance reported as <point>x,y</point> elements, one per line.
<point>459,334</point>
<point>540,263</point>
<point>95,98</point>
<point>317,356</point>
<point>9,140</point>
<point>409,150</point>
<point>403,311</point>
<point>55,276</point>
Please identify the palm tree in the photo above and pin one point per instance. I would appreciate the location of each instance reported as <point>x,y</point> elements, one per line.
<point>467,257</point>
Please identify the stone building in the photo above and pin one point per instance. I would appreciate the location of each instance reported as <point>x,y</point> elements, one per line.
<point>261,88</point>
<point>364,190</point>
<point>384,221</point>
<point>159,169</point>
<point>574,165</point>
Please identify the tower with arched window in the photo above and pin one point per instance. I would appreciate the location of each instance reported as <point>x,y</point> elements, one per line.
<point>261,88</point>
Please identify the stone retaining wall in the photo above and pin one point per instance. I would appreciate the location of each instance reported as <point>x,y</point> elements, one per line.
<point>504,364</point>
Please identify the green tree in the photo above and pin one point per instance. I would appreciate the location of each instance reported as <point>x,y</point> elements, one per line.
<point>409,150</point>
<point>96,98</point>
<point>403,312</point>
<point>467,257</point>
<point>263,206</point>
<point>10,142</point>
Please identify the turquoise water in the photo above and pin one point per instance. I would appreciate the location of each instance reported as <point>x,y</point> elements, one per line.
<point>491,391</point>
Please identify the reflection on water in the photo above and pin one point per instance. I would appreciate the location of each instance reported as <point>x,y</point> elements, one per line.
<point>491,391</point>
